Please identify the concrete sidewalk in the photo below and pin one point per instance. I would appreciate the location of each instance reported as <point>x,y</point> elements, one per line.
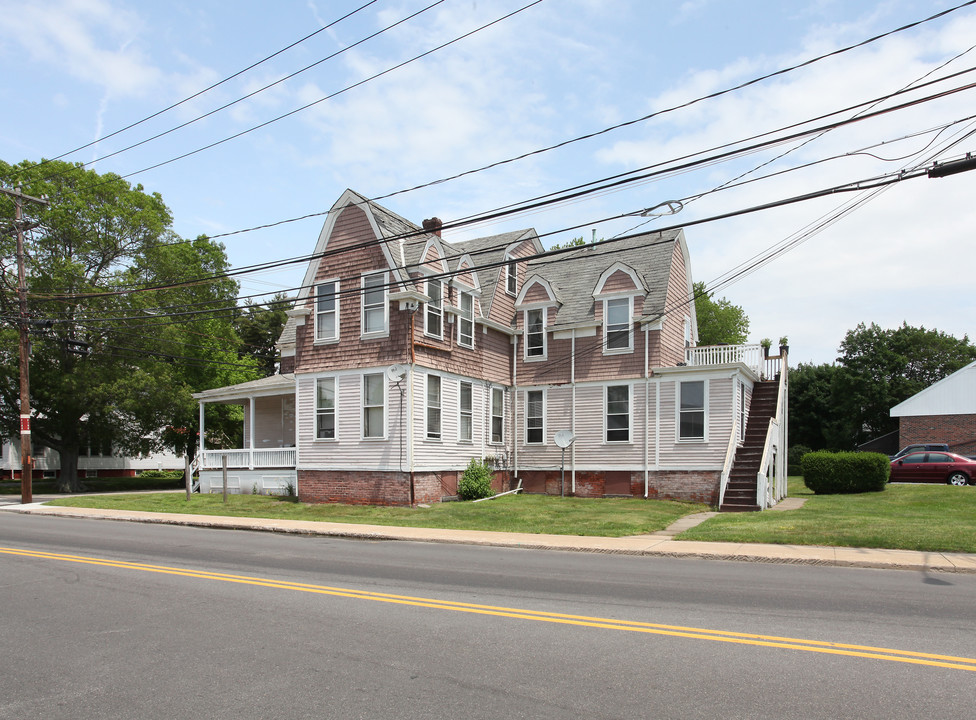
<point>661,544</point>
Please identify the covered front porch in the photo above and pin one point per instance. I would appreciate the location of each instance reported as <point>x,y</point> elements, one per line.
<point>266,462</point>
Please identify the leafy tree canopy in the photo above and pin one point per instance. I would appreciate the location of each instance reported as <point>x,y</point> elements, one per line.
<point>840,406</point>
<point>104,268</point>
<point>719,321</point>
<point>259,325</point>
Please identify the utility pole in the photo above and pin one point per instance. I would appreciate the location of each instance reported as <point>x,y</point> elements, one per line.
<point>26,457</point>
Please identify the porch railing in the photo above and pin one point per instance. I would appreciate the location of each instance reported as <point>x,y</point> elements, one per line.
<point>729,458</point>
<point>251,459</point>
<point>752,356</point>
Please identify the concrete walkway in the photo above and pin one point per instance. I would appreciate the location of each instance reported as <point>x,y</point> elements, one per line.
<point>661,544</point>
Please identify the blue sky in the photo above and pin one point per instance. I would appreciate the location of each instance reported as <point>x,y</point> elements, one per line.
<point>77,70</point>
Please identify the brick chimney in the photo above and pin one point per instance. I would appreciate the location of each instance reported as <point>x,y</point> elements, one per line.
<point>433,225</point>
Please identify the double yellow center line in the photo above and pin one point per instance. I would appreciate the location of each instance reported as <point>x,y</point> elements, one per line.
<point>786,643</point>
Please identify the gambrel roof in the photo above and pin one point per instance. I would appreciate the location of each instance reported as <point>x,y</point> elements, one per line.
<point>574,276</point>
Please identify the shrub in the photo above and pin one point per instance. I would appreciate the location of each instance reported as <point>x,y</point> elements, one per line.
<point>794,459</point>
<point>475,483</point>
<point>161,475</point>
<point>829,473</point>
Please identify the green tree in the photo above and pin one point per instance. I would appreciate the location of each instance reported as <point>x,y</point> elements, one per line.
<point>813,416</point>
<point>880,368</point>
<point>259,325</point>
<point>719,321</point>
<point>105,269</point>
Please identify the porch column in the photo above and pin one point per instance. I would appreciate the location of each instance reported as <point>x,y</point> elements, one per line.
<point>250,435</point>
<point>202,432</point>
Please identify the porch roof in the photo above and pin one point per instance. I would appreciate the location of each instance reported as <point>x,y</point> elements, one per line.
<point>283,384</point>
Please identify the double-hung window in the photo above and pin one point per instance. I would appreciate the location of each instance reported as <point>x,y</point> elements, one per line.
<point>434,315</point>
<point>326,310</point>
<point>535,422</point>
<point>374,317</point>
<point>511,277</point>
<point>433,407</point>
<point>535,333</point>
<point>617,408</point>
<point>466,412</point>
<point>691,413</point>
<point>466,320</point>
<point>325,408</point>
<point>497,415</point>
<point>618,325</point>
<point>374,406</point>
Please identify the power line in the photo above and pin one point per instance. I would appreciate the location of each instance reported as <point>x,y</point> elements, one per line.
<point>262,89</point>
<point>338,92</point>
<point>205,90</point>
<point>607,184</point>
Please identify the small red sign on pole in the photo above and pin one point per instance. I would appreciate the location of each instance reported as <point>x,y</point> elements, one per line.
<point>25,424</point>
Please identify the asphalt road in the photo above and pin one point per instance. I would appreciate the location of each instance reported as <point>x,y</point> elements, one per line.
<point>114,620</point>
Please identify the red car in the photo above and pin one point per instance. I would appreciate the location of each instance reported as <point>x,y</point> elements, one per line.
<point>940,467</point>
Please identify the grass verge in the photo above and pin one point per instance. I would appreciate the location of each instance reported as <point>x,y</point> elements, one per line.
<point>607,517</point>
<point>934,518</point>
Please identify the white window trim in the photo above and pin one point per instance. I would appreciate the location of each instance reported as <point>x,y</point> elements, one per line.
<point>510,265</point>
<point>492,416</point>
<point>607,350</point>
<point>362,406</point>
<point>461,413</point>
<point>677,413</point>
<point>386,306</point>
<point>462,318</point>
<point>335,409</point>
<point>525,405</point>
<point>427,408</point>
<point>334,311</point>
<point>545,335</point>
<point>439,311</point>
<point>630,414</point>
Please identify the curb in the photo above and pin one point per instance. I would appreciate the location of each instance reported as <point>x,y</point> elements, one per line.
<point>660,544</point>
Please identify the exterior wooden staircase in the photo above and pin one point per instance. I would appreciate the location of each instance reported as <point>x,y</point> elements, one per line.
<point>740,493</point>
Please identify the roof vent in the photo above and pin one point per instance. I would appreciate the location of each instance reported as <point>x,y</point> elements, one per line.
<point>433,225</point>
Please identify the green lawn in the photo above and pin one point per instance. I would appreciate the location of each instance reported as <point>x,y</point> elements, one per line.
<point>912,517</point>
<point>609,517</point>
<point>908,517</point>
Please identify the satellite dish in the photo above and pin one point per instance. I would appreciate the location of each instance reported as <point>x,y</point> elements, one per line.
<point>395,373</point>
<point>564,438</point>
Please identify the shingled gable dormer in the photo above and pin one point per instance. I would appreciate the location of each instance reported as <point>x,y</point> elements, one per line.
<point>433,277</point>
<point>536,306</point>
<point>465,301</point>
<point>616,294</point>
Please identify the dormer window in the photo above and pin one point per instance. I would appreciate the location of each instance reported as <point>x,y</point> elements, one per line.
<point>618,325</point>
<point>535,334</point>
<point>511,277</point>
<point>466,320</point>
<point>434,315</point>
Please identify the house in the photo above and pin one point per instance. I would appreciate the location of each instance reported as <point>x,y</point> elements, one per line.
<point>92,462</point>
<point>405,356</point>
<point>943,412</point>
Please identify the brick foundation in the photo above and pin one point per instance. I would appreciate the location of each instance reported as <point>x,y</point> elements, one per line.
<point>384,488</point>
<point>958,431</point>
<point>696,486</point>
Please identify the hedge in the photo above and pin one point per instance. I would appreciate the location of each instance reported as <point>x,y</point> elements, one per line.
<point>828,473</point>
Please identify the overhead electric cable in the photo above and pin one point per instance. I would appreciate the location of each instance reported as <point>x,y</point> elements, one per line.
<point>266,87</point>
<point>208,88</point>
<point>338,92</point>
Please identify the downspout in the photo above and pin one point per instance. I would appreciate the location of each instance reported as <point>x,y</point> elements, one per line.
<point>647,414</point>
<point>515,406</point>
<point>572,381</point>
